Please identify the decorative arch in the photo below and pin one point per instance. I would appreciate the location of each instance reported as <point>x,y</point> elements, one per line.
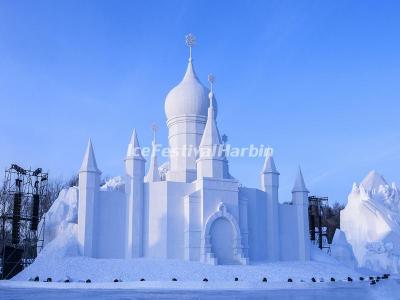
<point>207,254</point>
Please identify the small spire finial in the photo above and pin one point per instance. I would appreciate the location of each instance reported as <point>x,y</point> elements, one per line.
<point>211,80</point>
<point>154,128</point>
<point>190,41</point>
<point>270,151</point>
<point>224,138</point>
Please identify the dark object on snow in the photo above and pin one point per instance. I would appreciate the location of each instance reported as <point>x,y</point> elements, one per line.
<point>12,261</point>
<point>313,279</point>
<point>265,279</point>
<point>88,281</point>
<point>205,280</point>
<point>67,280</point>
<point>361,278</point>
<point>49,279</point>
<point>372,282</point>
<point>116,280</point>
<point>371,278</point>
<point>142,279</point>
<point>236,279</point>
<point>349,279</point>
<point>378,277</point>
<point>174,279</point>
<point>290,280</point>
<point>385,276</point>
<point>333,279</point>
<point>36,278</point>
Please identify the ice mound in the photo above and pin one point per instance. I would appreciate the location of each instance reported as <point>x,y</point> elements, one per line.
<point>371,223</point>
<point>114,184</point>
<point>342,250</point>
<point>60,216</point>
<point>65,244</point>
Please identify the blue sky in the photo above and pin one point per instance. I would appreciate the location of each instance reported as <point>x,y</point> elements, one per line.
<point>317,80</point>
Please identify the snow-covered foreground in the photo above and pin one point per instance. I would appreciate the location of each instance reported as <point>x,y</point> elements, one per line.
<point>158,284</point>
<point>199,290</point>
<point>106,270</point>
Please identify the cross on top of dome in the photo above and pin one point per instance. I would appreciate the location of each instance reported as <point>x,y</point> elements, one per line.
<point>190,41</point>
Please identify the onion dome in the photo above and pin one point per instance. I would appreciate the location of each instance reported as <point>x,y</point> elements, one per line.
<point>189,97</point>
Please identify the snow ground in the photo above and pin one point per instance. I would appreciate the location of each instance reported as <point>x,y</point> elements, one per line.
<point>221,285</point>
<point>106,270</point>
<point>198,290</point>
<point>55,262</point>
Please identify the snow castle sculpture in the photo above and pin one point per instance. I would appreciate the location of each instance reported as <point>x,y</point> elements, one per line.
<point>195,210</point>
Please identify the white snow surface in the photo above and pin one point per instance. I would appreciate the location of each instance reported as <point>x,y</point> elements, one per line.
<point>114,184</point>
<point>240,290</point>
<point>342,250</point>
<point>58,262</point>
<point>62,215</point>
<point>371,223</point>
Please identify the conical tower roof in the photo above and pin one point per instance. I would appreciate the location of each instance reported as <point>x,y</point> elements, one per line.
<point>211,136</point>
<point>89,163</point>
<point>269,163</point>
<point>134,147</point>
<point>299,185</point>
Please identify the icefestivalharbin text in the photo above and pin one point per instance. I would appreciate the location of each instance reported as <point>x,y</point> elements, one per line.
<point>252,151</point>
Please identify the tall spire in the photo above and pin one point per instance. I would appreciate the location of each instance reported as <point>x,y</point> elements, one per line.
<point>89,163</point>
<point>269,164</point>
<point>211,134</point>
<point>299,185</point>
<point>153,175</point>
<point>134,147</point>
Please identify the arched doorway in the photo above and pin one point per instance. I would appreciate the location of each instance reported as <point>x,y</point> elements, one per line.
<point>221,241</point>
<point>221,234</point>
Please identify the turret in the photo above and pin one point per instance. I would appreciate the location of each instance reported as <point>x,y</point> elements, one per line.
<point>186,111</point>
<point>89,185</point>
<point>300,201</point>
<point>211,157</point>
<point>270,185</point>
<point>134,190</point>
<point>153,175</point>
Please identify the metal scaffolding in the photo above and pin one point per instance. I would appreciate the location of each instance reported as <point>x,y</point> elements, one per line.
<point>20,211</point>
<point>316,214</point>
